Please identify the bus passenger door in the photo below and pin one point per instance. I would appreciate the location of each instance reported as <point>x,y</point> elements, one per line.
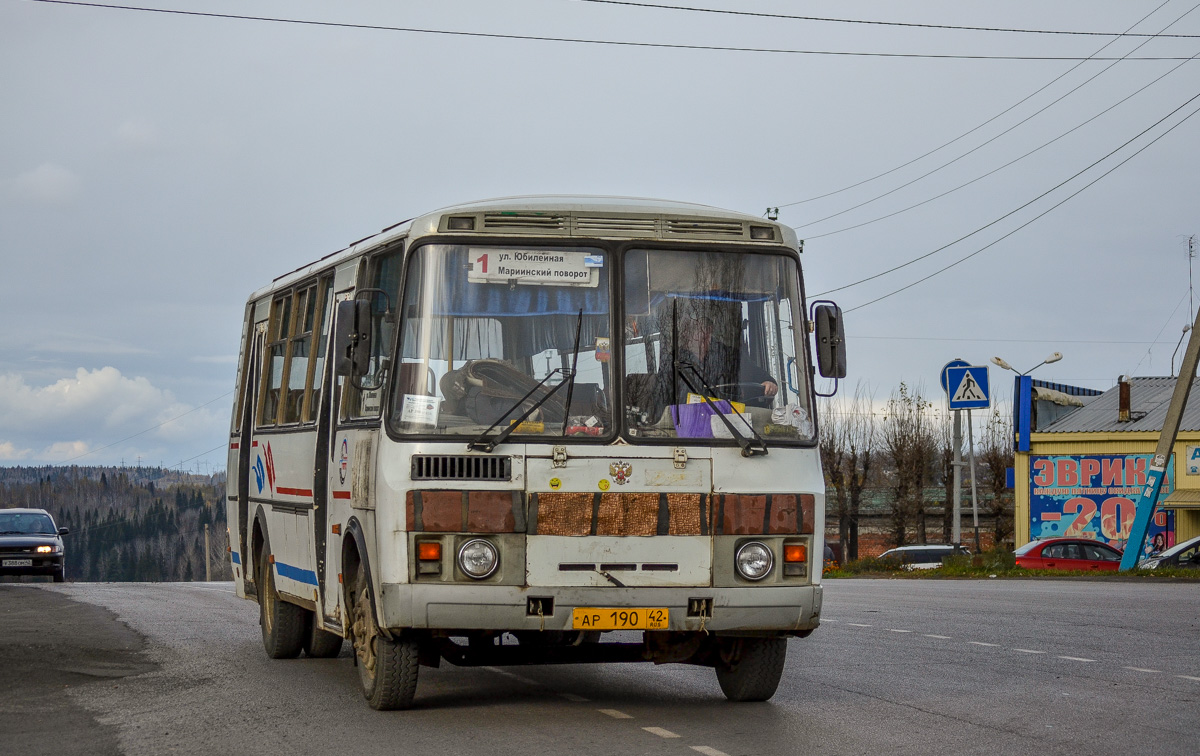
<point>250,382</point>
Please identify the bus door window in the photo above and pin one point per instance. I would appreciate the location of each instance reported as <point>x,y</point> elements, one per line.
<point>383,273</point>
<point>317,379</point>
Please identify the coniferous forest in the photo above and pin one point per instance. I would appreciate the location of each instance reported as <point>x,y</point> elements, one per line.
<point>128,524</point>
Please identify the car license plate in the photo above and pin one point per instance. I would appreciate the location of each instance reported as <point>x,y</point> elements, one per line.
<point>17,563</point>
<point>640,618</point>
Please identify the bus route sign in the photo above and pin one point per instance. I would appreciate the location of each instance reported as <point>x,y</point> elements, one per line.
<point>533,266</point>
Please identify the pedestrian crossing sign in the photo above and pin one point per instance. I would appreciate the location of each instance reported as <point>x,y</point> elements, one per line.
<point>968,387</point>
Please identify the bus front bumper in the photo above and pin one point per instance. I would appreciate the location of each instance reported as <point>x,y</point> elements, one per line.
<point>765,609</point>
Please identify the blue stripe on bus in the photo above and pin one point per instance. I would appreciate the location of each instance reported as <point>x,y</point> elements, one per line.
<point>237,559</point>
<point>295,573</point>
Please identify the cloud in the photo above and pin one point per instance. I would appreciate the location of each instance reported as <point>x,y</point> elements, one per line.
<point>48,184</point>
<point>105,412</point>
<point>137,132</point>
<point>10,453</point>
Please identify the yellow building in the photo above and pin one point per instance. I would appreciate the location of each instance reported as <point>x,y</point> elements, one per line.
<point>1078,471</point>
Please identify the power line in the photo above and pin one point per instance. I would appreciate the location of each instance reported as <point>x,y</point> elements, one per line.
<point>967,133</point>
<point>153,427</point>
<point>1075,128</point>
<point>584,41</point>
<point>1027,204</point>
<point>1052,208</point>
<point>1160,332</point>
<point>824,19</point>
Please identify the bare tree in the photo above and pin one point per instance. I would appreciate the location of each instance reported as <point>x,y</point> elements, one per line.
<point>995,457</point>
<point>907,438</point>
<point>849,439</point>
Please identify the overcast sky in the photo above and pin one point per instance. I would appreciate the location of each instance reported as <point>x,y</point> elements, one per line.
<point>157,168</point>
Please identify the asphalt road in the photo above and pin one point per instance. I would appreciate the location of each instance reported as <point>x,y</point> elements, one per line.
<point>898,667</point>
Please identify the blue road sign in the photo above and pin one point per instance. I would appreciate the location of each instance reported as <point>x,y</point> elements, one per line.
<point>951,364</point>
<point>968,387</point>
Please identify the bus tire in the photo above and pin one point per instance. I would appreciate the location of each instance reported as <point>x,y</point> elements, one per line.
<point>387,667</point>
<point>320,644</point>
<point>282,623</point>
<point>749,669</point>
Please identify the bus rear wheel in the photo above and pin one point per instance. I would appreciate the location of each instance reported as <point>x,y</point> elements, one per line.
<point>387,667</point>
<point>749,669</point>
<point>282,623</point>
<point>318,643</point>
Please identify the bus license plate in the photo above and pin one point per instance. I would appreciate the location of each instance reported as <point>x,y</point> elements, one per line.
<point>641,618</point>
<point>18,563</point>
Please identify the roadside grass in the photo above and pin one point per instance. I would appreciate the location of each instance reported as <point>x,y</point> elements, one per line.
<point>992,564</point>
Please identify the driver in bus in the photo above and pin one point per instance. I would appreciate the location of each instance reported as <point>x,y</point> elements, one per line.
<point>727,369</point>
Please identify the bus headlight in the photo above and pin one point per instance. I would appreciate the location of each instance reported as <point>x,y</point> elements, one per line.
<point>478,558</point>
<point>754,560</point>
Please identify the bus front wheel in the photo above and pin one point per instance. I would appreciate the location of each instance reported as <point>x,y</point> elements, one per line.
<point>749,669</point>
<point>387,667</point>
<point>282,623</point>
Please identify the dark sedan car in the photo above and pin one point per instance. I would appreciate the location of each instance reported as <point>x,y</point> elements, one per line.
<point>1186,554</point>
<point>30,544</point>
<point>1068,554</point>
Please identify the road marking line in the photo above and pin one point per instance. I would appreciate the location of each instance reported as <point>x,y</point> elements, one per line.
<point>1028,651</point>
<point>1143,669</point>
<point>614,713</point>
<point>856,624</point>
<point>989,645</point>
<point>513,675</point>
<point>660,732</point>
<point>1076,658</point>
<point>894,630</point>
<point>939,637</point>
<point>1188,677</point>
<point>824,620</point>
<point>709,751</point>
<point>574,697</point>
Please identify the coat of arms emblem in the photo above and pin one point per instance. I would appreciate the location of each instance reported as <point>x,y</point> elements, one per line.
<point>620,472</point>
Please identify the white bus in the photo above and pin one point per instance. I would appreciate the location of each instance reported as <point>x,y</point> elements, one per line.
<point>536,430</point>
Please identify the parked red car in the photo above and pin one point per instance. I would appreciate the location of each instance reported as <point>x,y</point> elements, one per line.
<point>1068,554</point>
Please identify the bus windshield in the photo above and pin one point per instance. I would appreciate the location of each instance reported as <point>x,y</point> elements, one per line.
<point>714,333</point>
<point>484,325</point>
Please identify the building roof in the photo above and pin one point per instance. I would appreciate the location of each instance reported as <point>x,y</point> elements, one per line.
<point>1148,401</point>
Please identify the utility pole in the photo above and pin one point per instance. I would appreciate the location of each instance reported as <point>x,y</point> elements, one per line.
<point>957,465</point>
<point>207,569</point>
<point>974,492</point>
<point>1162,453</point>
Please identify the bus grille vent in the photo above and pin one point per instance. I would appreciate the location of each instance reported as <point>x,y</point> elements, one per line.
<point>622,226</point>
<point>680,227</point>
<point>523,221</point>
<point>460,467</point>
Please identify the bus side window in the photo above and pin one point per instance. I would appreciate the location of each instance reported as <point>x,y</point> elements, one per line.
<point>277,337</point>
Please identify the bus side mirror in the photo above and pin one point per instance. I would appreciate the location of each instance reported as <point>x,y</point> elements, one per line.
<point>831,341</point>
<point>352,338</point>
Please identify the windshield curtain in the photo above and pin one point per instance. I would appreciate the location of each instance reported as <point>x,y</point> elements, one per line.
<point>483,325</point>
<point>730,325</point>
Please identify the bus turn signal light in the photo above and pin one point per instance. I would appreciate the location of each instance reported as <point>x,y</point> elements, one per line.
<point>429,551</point>
<point>795,552</point>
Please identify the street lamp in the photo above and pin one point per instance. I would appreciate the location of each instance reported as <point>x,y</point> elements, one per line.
<point>1052,358</point>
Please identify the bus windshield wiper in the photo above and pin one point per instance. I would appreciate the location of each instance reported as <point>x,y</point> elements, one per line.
<point>749,448</point>
<point>483,444</point>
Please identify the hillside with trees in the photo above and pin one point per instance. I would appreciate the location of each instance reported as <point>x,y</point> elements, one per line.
<point>128,523</point>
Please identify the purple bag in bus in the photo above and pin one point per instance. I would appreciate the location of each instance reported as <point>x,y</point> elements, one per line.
<point>695,420</point>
